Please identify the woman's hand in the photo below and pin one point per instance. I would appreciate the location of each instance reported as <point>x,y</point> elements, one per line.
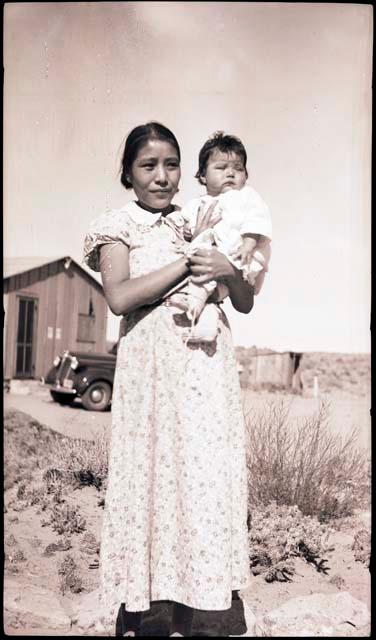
<point>206,220</point>
<point>210,264</point>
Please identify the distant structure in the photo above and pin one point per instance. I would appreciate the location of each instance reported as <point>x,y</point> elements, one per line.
<point>50,304</point>
<point>258,369</point>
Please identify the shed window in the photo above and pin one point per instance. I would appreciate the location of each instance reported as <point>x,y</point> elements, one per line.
<point>86,325</point>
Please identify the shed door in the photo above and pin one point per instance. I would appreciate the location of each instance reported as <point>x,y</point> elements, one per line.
<point>26,331</point>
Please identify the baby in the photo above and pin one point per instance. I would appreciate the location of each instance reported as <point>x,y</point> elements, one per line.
<point>243,234</point>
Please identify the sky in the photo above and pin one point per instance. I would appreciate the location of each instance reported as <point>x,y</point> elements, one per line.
<point>292,80</point>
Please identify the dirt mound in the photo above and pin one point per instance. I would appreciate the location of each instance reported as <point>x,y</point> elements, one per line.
<point>28,446</point>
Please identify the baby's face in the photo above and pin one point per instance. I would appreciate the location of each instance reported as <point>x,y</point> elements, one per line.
<point>224,171</point>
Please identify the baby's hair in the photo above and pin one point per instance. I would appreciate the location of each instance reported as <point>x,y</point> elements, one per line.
<point>221,142</point>
<point>137,138</point>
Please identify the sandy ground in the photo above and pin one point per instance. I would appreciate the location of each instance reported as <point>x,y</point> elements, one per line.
<point>33,610</point>
<point>346,412</point>
<point>34,604</point>
<point>73,421</point>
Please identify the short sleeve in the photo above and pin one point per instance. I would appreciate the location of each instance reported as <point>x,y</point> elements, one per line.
<point>257,218</point>
<point>111,227</point>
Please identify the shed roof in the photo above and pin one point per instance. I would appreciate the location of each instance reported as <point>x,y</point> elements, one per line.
<point>15,266</point>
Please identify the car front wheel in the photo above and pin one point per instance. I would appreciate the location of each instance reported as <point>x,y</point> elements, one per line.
<point>97,397</point>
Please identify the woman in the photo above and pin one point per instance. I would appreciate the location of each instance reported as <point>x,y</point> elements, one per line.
<point>176,505</point>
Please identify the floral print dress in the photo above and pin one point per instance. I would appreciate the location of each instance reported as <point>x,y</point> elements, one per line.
<point>175,513</point>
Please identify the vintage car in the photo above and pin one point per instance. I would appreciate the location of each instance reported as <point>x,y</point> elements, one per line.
<point>88,376</point>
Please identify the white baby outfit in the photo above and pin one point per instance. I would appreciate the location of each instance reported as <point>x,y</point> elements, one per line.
<point>242,211</point>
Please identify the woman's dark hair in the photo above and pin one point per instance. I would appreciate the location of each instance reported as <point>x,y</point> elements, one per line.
<point>221,142</point>
<point>136,139</point>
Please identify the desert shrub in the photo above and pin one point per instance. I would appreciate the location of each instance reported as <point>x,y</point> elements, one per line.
<point>362,546</point>
<point>11,541</point>
<point>278,535</point>
<point>27,496</point>
<point>304,464</point>
<point>66,519</point>
<point>90,544</point>
<point>42,494</point>
<point>14,555</point>
<point>70,579</point>
<point>82,462</point>
<point>338,581</point>
<point>55,485</point>
<point>61,545</point>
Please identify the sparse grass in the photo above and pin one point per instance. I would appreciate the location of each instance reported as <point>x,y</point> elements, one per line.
<point>28,447</point>
<point>278,535</point>
<point>82,462</point>
<point>305,465</point>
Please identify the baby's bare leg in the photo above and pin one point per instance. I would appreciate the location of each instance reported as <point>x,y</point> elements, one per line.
<point>206,327</point>
<point>197,297</point>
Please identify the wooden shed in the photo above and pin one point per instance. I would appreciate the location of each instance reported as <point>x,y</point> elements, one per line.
<point>50,304</point>
<point>266,368</point>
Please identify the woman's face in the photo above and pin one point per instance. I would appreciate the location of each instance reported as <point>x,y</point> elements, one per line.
<point>155,174</point>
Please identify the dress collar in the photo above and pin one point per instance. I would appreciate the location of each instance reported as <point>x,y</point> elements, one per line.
<point>143,217</point>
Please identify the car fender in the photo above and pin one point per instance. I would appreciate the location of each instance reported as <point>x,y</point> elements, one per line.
<point>50,376</point>
<point>85,378</point>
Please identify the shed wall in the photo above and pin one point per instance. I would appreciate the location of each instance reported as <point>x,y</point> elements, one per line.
<point>60,293</point>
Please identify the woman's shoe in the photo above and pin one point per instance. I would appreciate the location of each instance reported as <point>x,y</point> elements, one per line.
<point>128,623</point>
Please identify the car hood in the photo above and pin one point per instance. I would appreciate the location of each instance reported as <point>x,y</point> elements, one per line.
<point>94,358</point>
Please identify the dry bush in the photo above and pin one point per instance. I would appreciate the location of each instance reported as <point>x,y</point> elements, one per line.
<point>82,462</point>
<point>305,464</point>
<point>70,578</point>
<point>65,519</point>
<point>278,535</point>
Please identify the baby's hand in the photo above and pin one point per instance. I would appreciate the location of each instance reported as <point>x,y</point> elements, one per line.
<point>207,219</point>
<point>246,249</point>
